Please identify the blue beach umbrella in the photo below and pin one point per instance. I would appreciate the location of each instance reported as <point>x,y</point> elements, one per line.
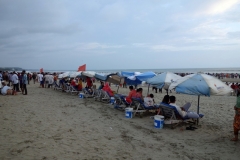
<point>200,84</point>
<point>163,80</point>
<point>100,76</point>
<point>145,76</point>
<point>138,77</point>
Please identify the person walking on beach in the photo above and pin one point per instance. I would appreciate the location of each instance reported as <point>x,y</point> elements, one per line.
<point>236,122</point>
<point>24,82</point>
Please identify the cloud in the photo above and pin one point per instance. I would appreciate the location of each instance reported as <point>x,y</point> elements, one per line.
<point>113,12</point>
<point>94,45</point>
<point>77,32</point>
<point>235,35</point>
<point>220,6</point>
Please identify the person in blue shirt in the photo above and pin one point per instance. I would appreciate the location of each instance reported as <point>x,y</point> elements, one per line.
<point>24,82</point>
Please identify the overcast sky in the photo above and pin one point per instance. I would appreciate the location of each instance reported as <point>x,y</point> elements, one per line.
<point>119,34</point>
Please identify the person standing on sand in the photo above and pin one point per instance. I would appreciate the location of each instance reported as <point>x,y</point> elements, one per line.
<point>236,122</point>
<point>24,82</point>
<point>40,79</point>
<point>15,81</point>
<point>28,78</point>
<point>34,77</point>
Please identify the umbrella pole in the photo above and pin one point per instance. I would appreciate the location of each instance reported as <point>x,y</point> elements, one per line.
<point>148,89</point>
<point>119,84</point>
<point>198,104</point>
<point>198,108</point>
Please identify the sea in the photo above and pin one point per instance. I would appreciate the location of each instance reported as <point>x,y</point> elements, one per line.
<point>157,71</point>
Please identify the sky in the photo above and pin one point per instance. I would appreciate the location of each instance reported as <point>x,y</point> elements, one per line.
<point>119,34</point>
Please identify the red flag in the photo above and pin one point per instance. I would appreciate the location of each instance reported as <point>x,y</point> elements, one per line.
<point>41,70</point>
<point>82,68</point>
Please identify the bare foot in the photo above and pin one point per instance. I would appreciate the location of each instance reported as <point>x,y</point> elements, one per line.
<point>234,139</point>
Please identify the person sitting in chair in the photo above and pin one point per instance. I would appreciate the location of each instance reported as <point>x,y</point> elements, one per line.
<point>149,101</point>
<point>108,89</point>
<point>139,93</point>
<point>183,111</point>
<point>165,100</point>
<point>131,94</point>
<point>74,84</point>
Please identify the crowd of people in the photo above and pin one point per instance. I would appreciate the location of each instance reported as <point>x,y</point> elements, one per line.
<point>14,82</point>
<point>217,75</point>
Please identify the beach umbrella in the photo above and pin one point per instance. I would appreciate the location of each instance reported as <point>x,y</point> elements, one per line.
<point>114,78</point>
<point>60,76</point>
<point>163,80</point>
<point>128,74</point>
<point>137,78</point>
<point>74,74</point>
<point>200,84</point>
<point>66,74</point>
<point>90,74</point>
<point>145,76</point>
<point>100,76</point>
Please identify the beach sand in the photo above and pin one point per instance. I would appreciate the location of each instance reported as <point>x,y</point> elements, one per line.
<point>49,124</point>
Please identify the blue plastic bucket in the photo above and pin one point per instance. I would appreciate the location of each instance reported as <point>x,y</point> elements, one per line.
<point>158,121</point>
<point>128,112</point>
<point>112,100</point>
<point>81,95</point>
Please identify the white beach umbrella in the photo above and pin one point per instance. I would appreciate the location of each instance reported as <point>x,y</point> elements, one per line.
<point>200,84</point>
<point>60,76</point>
<point>163,80</point>
<point>75,74</point>
<point>66,74</point>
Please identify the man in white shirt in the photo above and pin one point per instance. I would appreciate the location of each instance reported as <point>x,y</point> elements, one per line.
<point>183,111</point>
<point>50,80</point>
<point>6,90</point>
<point>15,81</point>
<point>40,79</point>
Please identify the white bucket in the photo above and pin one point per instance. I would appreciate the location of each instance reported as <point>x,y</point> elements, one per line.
<point>158,121</point>
<point>81,95</point>
<point>128,112</point>
<point>112,100</point>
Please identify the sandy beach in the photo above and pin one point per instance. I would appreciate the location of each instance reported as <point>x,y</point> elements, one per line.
<point>49,124</point>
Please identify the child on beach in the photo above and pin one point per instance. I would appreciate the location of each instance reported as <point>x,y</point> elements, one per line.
<point>149,101</point>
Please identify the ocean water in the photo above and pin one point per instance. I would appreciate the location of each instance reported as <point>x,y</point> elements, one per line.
<point>174,70</point>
